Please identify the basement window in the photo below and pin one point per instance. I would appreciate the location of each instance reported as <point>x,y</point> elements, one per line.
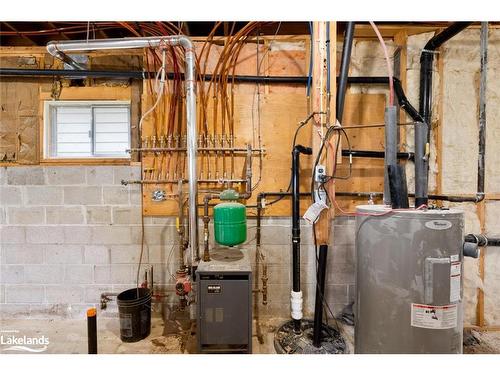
<point>86,129</point>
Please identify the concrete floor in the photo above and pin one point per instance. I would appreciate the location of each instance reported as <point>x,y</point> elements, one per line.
<point>175,336</point>
<point>481,342</point>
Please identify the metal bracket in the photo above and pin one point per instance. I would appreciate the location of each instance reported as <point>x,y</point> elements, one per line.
<point>158,195</point>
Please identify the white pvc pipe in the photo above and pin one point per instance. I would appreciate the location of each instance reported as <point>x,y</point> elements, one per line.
<point>58,49</point>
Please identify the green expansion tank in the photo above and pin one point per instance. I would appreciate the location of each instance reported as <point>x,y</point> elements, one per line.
<point>230,223</point>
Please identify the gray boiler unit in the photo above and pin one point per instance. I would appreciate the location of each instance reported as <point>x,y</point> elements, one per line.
<point>409,270</point>
<point>224,294</point>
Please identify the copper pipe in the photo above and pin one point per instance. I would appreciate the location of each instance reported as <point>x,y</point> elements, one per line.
<point>222,149</point>
<point>212,181</point>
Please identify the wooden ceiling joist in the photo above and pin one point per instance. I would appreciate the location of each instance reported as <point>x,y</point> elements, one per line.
<point>62,34</point>
<point>25,37</point>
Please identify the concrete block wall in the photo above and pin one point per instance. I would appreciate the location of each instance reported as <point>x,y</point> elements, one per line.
<point>276,247</point>
<point>69,233</point>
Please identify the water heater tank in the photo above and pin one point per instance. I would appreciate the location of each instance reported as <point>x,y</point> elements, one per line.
<point>409,281</point>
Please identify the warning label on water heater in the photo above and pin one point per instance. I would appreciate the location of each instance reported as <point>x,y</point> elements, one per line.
<point>433,317</point>
<point>455,285</point>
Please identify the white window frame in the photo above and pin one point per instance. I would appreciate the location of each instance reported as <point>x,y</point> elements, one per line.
<point>50,131</point>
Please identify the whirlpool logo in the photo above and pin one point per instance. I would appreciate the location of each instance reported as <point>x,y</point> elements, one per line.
<point>438,224</point>
<point>11,341</point>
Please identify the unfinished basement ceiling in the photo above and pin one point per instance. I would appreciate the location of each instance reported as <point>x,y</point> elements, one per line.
<point>40,33</point>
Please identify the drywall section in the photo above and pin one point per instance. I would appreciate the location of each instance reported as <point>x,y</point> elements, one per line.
<point>70,233</point>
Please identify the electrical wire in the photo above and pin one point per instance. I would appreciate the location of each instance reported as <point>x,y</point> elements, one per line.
<point>334,176</point>
<point>376,125</point>
<point>326,138</point>
<point>389,66</point>
<point>159,88</point>
<point>329,133</point>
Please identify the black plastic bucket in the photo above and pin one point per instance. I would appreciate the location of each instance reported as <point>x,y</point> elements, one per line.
<point>134,307</point>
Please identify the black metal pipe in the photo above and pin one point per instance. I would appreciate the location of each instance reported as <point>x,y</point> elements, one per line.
<point>422,137</point>
<point>344,69</point>
<point>320,295</point>
<point>482,240</point>
<point>426,62</point>
<point>364,80</point>
<point>92,330</point>
<point>452,198</point>
<point>297,150</point>
<point>375,154</point>
<point>79,74</point>
<point>135,74</point>
<point>69,73</point>
<point>403,101</point>
<point>377,194</point>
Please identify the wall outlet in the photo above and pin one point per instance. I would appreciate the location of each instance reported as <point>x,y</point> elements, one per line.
<point>320,173</point>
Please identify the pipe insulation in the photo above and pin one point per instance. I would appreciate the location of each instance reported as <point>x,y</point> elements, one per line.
<point>296,302</point>
<point>131,74</point>
<point>391,148</point>
<point>59,49</point>
<point>421,163</point>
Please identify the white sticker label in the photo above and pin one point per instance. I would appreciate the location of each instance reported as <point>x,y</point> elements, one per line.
<point>456,269</point>
<point>433,317</point>
<point>312,213</point>
<point>454,258</point>
<point>455,273</point>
